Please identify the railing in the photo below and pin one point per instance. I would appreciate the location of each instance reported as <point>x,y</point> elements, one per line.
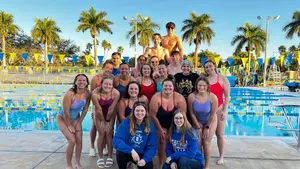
<point>279,125</point>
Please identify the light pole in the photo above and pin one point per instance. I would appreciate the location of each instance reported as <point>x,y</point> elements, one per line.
<point>266,45</point>
<point>134,19</point>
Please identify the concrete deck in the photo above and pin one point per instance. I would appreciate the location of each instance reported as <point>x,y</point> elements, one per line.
<point>45,150</point>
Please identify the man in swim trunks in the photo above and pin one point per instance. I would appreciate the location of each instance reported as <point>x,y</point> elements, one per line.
<point>171,41</point>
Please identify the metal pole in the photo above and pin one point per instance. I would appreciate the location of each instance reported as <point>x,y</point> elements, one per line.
<point>135,54</point>
<point>266,52</point>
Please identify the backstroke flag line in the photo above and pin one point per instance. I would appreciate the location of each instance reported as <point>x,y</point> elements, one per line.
<point>230,61</point>
<point>100,59</point>
<point>13,56</point>
<point>61,58</point>
<point>74,59</point>
<point>259,62</point>
<point>36,57</point>
<point>217,60</point>
<point>25,56</point>
<point>244,60</point>
<point>1,56</point>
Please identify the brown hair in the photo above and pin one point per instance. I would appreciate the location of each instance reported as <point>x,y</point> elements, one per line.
<point>186,128</point>
<point>169,24</point>
<point>107,62</point>
<point>132,119</point>
<point>102,80</point>
<point>202,77</point>
<point>210,61</point>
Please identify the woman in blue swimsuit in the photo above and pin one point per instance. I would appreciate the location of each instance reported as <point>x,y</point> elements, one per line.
<point>203,111</point>
<point>133,93</point>
<point>121,81</point>
<point>69,119</point>
<point>163,74</point>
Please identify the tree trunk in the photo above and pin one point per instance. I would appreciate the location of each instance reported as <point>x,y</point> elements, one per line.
<point>249,55</point>
<point>196,56</point>
<point>95,52</point>
<point>104,55</point>
<point>3,51</point>
<point>46,57</point>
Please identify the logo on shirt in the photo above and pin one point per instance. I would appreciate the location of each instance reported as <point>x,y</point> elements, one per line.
<point>137,139</point>
<point>178,147</point>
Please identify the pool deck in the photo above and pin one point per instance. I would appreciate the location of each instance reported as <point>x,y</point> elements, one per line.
<point>45,150</point>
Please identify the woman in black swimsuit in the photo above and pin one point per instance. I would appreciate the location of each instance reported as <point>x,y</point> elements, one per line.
<point>161,108</point>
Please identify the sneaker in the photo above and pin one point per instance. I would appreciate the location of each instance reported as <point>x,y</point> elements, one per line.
<point>92,152</point>
<point>105,151</point>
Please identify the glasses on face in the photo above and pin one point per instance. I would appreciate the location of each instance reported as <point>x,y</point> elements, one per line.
<point>142,60</point>
<point>178,118</point>
<point>154,62</point>
<point>170,28</point>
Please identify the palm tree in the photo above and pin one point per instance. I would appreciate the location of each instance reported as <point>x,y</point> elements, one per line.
<point>196,29</point>
<point>120,50</point>
<point>253,37</point>
<point>7,27</point>
<point>95,22</point>
<point>108,48</point>
<point>145,29</point>
<point>104,44</point>
<point>46,31</point>
<point>294,26</point>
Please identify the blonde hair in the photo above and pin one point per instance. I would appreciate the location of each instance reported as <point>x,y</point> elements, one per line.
<point>132,119</point>
<point>186,128</point>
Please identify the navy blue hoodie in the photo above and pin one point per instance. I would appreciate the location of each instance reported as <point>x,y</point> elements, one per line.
<point>141,142</point>
<point>189,149</point>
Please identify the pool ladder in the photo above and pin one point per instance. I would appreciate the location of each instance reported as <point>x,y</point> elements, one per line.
<point>279,125</point>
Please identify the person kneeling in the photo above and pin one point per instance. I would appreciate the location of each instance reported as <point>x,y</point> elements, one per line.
<point>182,147</point>
<point>136,139</point>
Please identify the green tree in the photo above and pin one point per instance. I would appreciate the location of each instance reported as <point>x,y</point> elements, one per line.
<point>197,29</point>
<point>145,29</point>
<point>88,49</point>
<point>251,36</point>
<point>282,50</point>
<point>108,48</point>
<point>294,26</point>
<point>7,27</point>
<point>95,22</point>
<point>46,31</point>
<point>120,50</point>
<point>104,44</point>
<point>292,49</point>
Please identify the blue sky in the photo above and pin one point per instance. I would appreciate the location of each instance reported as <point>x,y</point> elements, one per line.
<point>227,14</point>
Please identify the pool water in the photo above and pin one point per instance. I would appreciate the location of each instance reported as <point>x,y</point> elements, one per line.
<point>34,107</point>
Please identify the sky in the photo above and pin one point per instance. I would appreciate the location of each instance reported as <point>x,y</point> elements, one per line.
<point>227,14</point>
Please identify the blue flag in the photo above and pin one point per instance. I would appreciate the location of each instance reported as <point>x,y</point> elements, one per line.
<point>203,60</point>
<point>230,61</point>
<point>25,56</point>
<point>74,59</point>
<point>1,56</point>
<point>50,57</point>
<point>126,58</point>
<point>259,62</point>
<point>100,59</point>
<point>290,58</point>
<point>272,60</point>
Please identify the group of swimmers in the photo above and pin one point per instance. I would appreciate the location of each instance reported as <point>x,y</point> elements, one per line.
<point>160,109</point>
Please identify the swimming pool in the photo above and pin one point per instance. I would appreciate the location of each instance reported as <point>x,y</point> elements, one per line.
<point>34,107</point>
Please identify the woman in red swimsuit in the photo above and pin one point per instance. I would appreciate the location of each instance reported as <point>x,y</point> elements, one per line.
<point>146,81</point>
<point>219,85</point>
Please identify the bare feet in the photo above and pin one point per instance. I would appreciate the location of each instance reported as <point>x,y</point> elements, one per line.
<point>69,167</point>
<point>78,166</point>
<point>220,161</point>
